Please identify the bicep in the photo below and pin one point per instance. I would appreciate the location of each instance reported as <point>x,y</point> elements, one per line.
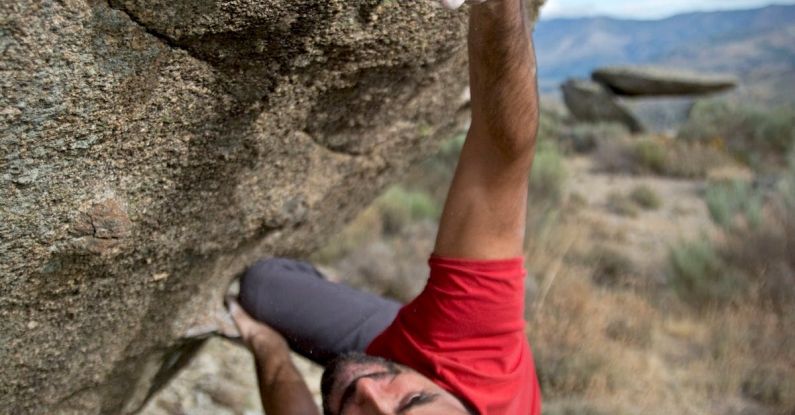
<point>484,215</point>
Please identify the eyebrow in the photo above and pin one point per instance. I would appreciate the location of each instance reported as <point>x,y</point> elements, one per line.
<point>351,388</point>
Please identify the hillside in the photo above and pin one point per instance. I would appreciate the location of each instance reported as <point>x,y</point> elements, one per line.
<point>757,45</point>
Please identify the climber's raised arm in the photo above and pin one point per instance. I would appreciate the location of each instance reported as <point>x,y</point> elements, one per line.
<point>484,215</point>
<point>282,389</point>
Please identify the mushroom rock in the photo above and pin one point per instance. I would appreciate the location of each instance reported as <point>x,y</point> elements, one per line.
<point>660,81</point>
<point>590,101</point>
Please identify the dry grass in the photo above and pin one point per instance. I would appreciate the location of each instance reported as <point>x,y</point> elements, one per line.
<point>652,154</point>
<point>622,205</point>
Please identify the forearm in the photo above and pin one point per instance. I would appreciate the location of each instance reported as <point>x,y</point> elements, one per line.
<point>282,389</point>
<point>503,76</point>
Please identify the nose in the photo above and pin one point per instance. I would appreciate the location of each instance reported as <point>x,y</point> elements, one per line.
<point>373,397</point>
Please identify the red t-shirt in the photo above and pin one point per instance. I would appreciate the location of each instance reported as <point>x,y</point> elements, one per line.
<point>465,331</point>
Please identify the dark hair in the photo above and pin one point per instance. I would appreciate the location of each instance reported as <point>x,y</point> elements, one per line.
<point>334,366</point>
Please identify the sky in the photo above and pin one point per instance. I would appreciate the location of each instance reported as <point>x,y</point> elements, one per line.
<point>644,9</point>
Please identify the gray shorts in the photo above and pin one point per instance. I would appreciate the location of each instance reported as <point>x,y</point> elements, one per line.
<point>320,319</point>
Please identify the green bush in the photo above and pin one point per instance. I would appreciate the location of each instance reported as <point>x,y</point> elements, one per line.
<point>756,262</point>
<point>728,201</point>
<point>551,125</point>
<point>582,138</point>
<point>753,134</point>
<point>433,176</point>
<point>700,276</point>
<point>549,175</point>
<point>651,155</point>
<point>646,197</point>
<point>399,207</point>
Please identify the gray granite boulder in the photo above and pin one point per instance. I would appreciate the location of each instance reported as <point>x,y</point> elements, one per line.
<point>151,149</point>
<point>659,81</point>
<point>591,102</point>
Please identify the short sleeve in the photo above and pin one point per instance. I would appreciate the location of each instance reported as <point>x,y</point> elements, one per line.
<point>466,331</point>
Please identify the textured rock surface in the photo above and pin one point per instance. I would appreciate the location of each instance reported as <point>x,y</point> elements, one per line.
<point>657,81</point>
<point>150,149</point>
<point>590,101</point>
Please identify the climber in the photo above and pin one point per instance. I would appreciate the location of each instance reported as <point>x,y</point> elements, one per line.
<point>460,346</point>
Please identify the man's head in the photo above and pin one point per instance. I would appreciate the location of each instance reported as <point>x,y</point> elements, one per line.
<point>356,384</point>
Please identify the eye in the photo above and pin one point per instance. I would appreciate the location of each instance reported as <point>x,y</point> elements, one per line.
<point>416,399</point>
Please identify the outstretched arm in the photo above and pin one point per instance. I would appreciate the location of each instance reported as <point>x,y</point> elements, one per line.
<point>282,389</point>
<point>484,215</point>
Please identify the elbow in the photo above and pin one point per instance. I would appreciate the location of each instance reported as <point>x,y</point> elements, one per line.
<point>516,133</point>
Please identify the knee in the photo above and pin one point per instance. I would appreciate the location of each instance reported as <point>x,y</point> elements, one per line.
<point>258,279</point>
<point>273,275</point>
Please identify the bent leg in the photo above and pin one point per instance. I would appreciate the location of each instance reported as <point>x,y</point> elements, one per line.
<point>319,319</point>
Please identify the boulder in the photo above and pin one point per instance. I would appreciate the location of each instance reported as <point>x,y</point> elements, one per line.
<point>591,102</point>
<point>659,81</point>
<point>151,149</point>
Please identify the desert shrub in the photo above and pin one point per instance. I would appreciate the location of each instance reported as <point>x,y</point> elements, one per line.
<point>610,267</point>
<point>694,160</point>
<point>754,257</point>
<point>584,137</point>
<point>645,197</point>
<point>367,226</point>
<point>657,155</point>
<point>635,332</point>
<point>765,254</point>
<point>622,205</point>
<point>651,154</point>
<point>433,175</point>
<point>727,201</point>
<point>549,172</point>
<point>700,276</point>
<point>567,374</point>
<point>753,134</point>
<point>551,125</point>
<point>399,207</point>
<point>770,385</point>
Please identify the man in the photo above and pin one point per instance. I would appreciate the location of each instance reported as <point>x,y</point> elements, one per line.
<point>459,347</point>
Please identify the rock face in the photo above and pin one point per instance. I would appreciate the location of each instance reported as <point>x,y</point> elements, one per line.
<point>656,81</point>
<point>590,101</point>
<point>151,149</point>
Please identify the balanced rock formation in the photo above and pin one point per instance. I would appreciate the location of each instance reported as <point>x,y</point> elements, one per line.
<point>597,100</point>
<point>659,81</point>
<point>591,102</point>
<point>151,149</point>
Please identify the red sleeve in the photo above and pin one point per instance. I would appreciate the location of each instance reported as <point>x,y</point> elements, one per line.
<point>466,332</point>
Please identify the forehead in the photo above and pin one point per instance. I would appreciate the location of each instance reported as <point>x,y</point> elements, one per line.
<point>404,384</point>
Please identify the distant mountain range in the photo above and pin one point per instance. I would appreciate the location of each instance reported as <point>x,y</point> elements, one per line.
<point>757,45</point>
